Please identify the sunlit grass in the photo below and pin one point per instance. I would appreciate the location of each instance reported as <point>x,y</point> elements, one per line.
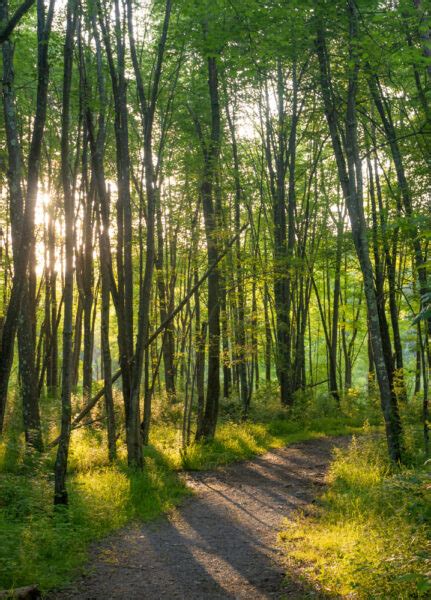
<point>41,545</point>
<point>369,537</point>
<point>243,441</point>
<point>44,546</point>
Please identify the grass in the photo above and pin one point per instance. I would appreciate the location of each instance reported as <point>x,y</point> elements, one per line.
<point>369,536</point>
<point>45,546</point>
<point>241,441</point>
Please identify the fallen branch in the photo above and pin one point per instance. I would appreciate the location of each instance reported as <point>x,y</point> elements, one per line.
<point>312,385</point>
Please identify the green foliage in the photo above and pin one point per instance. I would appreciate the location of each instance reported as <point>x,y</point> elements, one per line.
<point>258,46</point>
<point>369,535</point>
<point>425,313</point>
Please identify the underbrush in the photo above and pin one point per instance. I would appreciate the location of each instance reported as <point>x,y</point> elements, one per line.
<point>369,534</point>
<point>241,441</point>
<point>45,546</point>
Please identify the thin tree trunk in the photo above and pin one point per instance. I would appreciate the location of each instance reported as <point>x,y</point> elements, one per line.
<point>60,469</point>
<point>241,338</point>
<point>335,313</point>
<point>168,344</point>
<point>76,352</point>
<point>211,155</point>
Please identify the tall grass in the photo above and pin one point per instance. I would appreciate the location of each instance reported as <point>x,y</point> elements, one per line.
<point>45,546</point>
<point>369,535</point>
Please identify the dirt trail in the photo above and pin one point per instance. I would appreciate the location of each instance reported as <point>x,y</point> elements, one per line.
<point>221,543</point>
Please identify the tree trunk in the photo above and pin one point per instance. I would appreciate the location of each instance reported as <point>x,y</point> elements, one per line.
<point>333,386</point>
<point>60,469</point>
<point>351,184</point>
<point>241,338</point>
<point>25,240</point>
<point>168,342</point>
<point>148,107</point>
<point>209,420</point>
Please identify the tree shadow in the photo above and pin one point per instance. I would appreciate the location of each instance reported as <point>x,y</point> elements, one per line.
<point>218,545</point>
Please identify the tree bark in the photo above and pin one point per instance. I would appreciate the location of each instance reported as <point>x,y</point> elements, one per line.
<point>211,156</point>
<point>60,469</point>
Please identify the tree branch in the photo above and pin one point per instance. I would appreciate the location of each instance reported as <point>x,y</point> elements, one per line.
<point>15,19</point>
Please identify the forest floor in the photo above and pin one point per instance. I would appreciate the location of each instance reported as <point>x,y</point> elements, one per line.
<point>222,543</point>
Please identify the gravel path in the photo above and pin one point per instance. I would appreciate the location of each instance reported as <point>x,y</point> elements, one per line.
<point>221,543</point>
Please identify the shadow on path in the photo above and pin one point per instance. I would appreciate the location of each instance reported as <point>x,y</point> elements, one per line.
<point>221,544</point>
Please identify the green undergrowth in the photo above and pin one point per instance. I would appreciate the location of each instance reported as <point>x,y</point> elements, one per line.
<point>45,546</point>
<point>369,535</point>
<point>40,545</point>
<point>241,441</point>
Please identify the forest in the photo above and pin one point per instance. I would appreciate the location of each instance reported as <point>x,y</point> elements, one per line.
<point>215,243</point>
